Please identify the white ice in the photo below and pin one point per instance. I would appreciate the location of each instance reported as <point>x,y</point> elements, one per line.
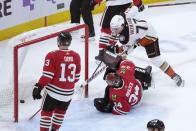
<point>176,106</point>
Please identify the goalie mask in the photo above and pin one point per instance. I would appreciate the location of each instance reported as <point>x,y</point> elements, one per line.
<point>117,24</point>
<point>156,124</point>
<point>64,39</point>
<point>114,80</point>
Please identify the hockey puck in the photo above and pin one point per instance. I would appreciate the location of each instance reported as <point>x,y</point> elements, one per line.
<point>22,101</point>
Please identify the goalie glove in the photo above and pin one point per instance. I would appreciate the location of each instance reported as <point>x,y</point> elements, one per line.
<point>37,92</point>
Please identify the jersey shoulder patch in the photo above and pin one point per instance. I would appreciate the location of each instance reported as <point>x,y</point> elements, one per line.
<point>52,51</point>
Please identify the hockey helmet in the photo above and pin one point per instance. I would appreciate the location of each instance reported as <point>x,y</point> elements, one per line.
<point>113,79</point>
<point>116,24</point>
<point>156,124</point>
<point>64,39</point>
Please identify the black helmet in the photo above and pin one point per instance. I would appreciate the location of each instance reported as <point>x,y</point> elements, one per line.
<point>64,38</point>
<point>156,124</point>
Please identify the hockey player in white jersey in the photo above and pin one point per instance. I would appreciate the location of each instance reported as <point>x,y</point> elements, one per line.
<point>133,32</point>
<point>113,7</point>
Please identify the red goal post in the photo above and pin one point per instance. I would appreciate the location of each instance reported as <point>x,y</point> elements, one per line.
<point>15,58</point>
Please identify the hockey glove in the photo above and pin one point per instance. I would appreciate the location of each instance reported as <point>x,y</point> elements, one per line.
<point>113,49</point>
<point>140,7</point>
<point>37,92</point>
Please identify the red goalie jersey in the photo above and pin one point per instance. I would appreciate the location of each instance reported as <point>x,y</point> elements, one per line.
<point>130,94</point>
<point>60,73</point>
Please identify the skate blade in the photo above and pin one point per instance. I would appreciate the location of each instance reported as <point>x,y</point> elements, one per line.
<point>182,84</point>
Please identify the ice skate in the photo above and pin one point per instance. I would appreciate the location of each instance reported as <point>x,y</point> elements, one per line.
<point>178,80</point>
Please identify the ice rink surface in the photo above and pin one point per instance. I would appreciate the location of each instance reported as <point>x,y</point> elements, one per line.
<point>176,106</point>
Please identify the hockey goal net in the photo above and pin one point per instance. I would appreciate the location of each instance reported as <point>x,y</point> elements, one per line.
<point>28,52</point>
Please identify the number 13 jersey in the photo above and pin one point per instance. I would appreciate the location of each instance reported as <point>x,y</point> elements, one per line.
<point>61,71</point>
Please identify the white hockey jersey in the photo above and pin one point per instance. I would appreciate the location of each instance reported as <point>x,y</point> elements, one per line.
<point>117,2</point>
<point>135,29</point>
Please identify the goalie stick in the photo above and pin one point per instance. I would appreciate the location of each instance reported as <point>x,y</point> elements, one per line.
<point>95,74</point>
<point>97,67</point>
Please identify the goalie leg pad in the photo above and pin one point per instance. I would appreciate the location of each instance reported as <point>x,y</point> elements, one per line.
<point>103,106</point>
<point>144,76</point>
<point>106,95</point>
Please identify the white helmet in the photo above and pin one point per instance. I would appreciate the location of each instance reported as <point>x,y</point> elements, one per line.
<point>117,21</point>
<point>116,24</point>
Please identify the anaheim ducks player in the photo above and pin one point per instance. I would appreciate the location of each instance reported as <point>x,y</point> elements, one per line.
<point>113,7</point>
<point>133,32</point>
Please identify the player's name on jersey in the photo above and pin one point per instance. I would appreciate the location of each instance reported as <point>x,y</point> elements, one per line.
<point>68,58</point>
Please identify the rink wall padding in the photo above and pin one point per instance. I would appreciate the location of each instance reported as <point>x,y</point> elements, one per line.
<point>51,20</point>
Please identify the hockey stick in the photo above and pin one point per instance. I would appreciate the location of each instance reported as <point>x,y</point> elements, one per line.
<point>95,74</point>
<point>44,96</point>
<point>161,5</point>
<point>34,114</point>
<point>97,67</point>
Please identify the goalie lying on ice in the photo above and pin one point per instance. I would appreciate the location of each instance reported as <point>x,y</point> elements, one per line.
<point>124,91</point>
